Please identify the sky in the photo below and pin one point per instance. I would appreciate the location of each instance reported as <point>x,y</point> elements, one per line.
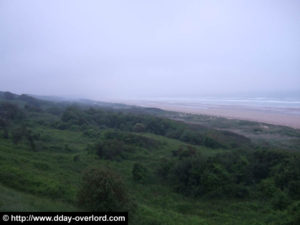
<point>147,49</point>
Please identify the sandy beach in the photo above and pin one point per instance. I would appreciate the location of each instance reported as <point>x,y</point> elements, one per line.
<point>278,116</point>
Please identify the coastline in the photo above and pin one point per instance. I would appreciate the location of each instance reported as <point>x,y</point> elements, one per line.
<point>284,116</point>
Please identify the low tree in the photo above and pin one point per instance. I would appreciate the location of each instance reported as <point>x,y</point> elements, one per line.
<point>4,127</point>
<point>10,111</point>
<point>139,127</point>
<point>9,96</point>
<point>110,149</point>
<point>17,135</point>
<point>102,190</point>
<point>139,172</point>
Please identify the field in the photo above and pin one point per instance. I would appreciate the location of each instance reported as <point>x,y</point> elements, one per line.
<point>45,147</point>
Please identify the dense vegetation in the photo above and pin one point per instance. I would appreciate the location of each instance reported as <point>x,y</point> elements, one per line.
<point>64,156</point>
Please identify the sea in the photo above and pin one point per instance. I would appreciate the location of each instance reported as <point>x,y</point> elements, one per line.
<point>289,105</point>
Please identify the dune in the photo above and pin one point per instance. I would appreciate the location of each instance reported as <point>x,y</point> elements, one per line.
<point>278,116</point>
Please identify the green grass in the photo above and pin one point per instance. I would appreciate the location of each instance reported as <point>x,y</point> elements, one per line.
<point>48,181</point>
<point>12,201</point>
<point>261,134</point>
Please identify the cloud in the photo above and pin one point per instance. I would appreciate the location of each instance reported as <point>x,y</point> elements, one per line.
<point>101,49</point>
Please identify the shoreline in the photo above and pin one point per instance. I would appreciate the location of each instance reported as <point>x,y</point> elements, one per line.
<point>282,117</point>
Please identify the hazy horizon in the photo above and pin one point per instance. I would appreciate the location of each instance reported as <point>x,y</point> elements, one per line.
<point>150,49</point>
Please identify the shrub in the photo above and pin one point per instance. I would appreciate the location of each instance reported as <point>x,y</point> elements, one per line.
<point>280,201</point>
<point>76,158</point>
<point>139,172</point>
<point>215,179</point>
<point>267,188</point>
<point>184,151</point>
<point>9,96</point>
<point>102,190</point>
<point>164,169</point>
<point>10,111</point>
<point>186,175</point>
<point>17,135</point>
<point>191,137</point>
<point>110,149</point>
<point>132,139</point>
<point>139,127</point>
<point>212,143</point>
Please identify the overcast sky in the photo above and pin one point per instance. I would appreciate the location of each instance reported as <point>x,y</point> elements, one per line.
<point>154,48</point>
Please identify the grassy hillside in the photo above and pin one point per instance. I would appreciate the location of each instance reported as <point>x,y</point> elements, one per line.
<point>173,172</point>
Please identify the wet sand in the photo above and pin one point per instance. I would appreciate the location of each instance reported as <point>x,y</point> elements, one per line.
<point>276,116</point>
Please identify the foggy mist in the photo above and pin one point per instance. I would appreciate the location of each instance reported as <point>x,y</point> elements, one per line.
<point>144,49</point>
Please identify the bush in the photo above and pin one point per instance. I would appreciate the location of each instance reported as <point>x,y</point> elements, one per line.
<point>76,158</point>
<point>215,179</point>
<point>132,139</point>
<point>267,189</point>
<point>17,135</point>
<point>164,168</point>
<point>10,111</point>
<point>139,172</point>
<point>280,201</point>
<point>139,127</point>
<point>191,137</point>
<point>186,175</point>
<point>212,143</point>
<point>293,211</point>
<point>9,96</point>
<point>102,190</point>
<point>110,149</point>
<point>184,151</point>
